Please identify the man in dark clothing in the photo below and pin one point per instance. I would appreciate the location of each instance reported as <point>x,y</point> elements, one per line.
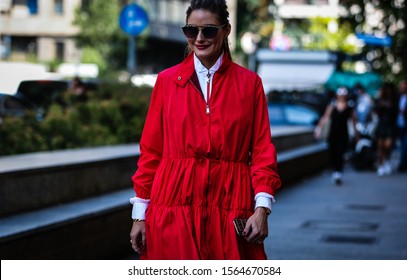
<point>402,125</point>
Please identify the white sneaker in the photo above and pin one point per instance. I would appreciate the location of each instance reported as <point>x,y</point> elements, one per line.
<point>381,170</point>
<point>336,178</point>
<point>387,168</point>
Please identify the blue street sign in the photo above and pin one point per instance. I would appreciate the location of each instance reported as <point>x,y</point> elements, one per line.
<point>373,40</point>
<point>133,19</point>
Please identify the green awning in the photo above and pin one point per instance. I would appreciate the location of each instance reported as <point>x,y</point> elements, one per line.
<point>370,81</point>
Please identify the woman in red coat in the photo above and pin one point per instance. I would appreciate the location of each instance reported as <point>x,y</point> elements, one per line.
<point>206,155</point>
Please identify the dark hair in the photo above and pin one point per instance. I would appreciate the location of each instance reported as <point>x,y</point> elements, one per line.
<point>359,87</point>
<point>217,7</point>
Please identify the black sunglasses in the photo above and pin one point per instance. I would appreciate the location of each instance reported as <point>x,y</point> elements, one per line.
<point>208,31</point>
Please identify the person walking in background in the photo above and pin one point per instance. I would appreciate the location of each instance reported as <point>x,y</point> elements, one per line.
<point>78,89</point>
<point>402,125</point>
<point>364,105</point>
<point>337,113</point>
<point>206,154</point>
<point>386,110</point>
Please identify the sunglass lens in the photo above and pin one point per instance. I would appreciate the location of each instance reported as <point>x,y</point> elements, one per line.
<point>190,31</point>
<point>209,32</point>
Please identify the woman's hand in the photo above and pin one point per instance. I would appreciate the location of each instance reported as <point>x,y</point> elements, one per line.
<point>317,132</point>
<point>138,237</point>
<point>256,229</point>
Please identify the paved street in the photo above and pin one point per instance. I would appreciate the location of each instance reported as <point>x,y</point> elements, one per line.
<point>364,219</point>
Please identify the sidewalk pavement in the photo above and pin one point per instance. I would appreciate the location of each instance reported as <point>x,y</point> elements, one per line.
<point>363,219</point>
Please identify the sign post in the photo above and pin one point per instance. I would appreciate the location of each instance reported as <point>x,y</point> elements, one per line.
<point>384,41</point>
<point>133,20</point>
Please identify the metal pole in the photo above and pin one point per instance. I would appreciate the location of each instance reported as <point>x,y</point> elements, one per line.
<point>252,61</point>
<point>131,57</point>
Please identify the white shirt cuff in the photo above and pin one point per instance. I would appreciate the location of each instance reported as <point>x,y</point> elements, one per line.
<point>264,200</point>
<point>139,207</point>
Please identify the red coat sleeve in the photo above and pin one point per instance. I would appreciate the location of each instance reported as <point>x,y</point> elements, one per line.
<point>151,145</point>
<point>263,154</point>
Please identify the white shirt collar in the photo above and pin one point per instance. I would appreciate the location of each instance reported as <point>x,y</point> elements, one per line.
<point>200,68</point>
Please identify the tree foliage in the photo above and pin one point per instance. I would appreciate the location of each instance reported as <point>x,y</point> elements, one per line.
<point>113,114</point>
<point>382,18</point>
<point>253,16</point>
<point>312,33</point>
<point>100,35</point>
<point>373,17</point>
<point>320,38</point>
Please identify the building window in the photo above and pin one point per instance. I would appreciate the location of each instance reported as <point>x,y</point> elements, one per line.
<point>59,7</point>
<point>32,6</point>
<point>19,2</point>
<point>21,47</point>
<point>60,51</point>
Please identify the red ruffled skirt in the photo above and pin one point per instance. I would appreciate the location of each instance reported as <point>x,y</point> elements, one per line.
<point>192,206</point>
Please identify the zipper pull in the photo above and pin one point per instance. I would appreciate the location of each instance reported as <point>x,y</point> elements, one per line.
<point>208,88</point>
<point>208,76</point>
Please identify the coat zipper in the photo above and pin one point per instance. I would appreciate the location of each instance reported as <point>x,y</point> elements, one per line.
<point>208,94</point>
<point>208,88</point>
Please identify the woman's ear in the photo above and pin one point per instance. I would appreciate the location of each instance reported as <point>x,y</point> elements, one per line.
<point>228,29</point>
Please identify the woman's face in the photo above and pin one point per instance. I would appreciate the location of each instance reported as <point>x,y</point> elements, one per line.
<point>207,50</point>
<point>341,97</point>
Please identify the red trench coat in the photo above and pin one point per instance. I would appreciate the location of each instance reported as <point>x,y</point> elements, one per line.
<point>201,168</point>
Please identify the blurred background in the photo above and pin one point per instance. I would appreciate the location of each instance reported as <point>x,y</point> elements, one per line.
<point>75,82</point>
<point>302,49</point>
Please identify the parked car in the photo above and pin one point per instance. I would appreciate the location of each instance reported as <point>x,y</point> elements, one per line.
<point>292,114</point>
<point>42,93</point>
<point>33,95</point>
<point>37,96</point>
<point>12,105</point>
